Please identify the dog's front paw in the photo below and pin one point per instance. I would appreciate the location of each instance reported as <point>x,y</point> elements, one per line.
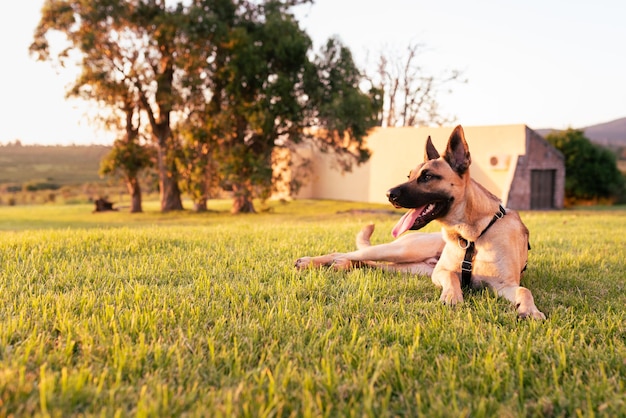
<point>530,312</point>
<point>451,296</point>
<point>341,264</point>
<point>303,262</point>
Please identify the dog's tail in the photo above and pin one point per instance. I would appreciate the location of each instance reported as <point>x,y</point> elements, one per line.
<point>363,237</point>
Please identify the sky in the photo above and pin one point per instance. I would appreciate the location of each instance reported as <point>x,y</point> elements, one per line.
<point>543,63</point>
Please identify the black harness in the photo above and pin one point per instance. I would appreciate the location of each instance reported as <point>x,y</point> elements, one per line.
<point>470,251</point>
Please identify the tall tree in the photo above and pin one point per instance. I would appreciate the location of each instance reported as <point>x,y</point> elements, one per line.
<point>202,62</point>
<point>198,165</point>
<point>410,92</point>
<point>129,157</point>
<point>267,92</point>
<point>124,45</point>
<point>338,108</point>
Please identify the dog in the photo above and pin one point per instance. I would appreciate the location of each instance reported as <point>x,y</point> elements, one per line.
<point>481,244</point>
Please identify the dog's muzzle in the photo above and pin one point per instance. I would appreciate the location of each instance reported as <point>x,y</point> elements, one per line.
<point>393,195</point>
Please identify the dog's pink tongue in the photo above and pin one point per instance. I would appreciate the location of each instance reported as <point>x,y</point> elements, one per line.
<point>406,222</point>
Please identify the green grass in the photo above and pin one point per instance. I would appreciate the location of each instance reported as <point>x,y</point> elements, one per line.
<point>185,314</point>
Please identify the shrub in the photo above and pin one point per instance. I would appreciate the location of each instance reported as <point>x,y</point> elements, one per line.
<point>33,186</point>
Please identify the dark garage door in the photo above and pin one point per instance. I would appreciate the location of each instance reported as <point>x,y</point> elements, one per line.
<point>542,189</point>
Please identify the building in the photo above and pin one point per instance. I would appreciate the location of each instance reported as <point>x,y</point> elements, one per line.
<point>512,161</point>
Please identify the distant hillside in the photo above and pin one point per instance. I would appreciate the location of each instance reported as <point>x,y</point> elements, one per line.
<point>610,134</point>
<point>61,165</point>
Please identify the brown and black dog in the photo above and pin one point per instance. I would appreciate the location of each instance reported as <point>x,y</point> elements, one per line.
<point>481,243</point>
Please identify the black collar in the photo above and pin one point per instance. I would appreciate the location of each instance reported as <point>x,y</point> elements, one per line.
<point>470,250</point>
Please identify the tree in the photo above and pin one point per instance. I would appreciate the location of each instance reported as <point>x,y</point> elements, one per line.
<point>124,46</point>
<point>339,108</point>
<point>198,165</point>
<point>410,94</point>
<point>591,171</point>
<point>265,92</point>
<point>128,157</point>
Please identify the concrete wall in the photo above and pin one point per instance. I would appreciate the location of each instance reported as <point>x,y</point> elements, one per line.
<point>324,178</point>
<point>502,157</point>
<point>540,156</point>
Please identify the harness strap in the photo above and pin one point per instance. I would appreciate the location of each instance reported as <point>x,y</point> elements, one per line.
<point>470,250</point>
<point>466,266</point>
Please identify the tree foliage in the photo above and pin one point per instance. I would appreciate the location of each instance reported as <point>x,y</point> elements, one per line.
<point>341,107</point>
<point>265,91</point>
<point>591,171</point>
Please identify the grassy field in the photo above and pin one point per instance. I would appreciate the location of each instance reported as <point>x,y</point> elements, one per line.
<point>37,174</point>
<point>61,165</point>
<point>186,314</point>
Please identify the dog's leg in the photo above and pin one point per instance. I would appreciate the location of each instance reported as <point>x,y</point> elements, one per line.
<point>319,261</point>
<point>362,241</point>
<point>450,285</point>
<point>419,248</point>
<point>446,277</point>
<point>424,268</point>
<point>363,237</point>
<point>409,249</point>
<point>523,300</point>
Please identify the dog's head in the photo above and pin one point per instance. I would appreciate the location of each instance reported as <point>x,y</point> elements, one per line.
<point>433,185</point>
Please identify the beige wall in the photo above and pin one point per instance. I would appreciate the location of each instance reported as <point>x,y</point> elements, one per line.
<point>324,178</point>
<point>395,151</point>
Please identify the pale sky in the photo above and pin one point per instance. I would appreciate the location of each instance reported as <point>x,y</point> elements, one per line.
<point>543,63</point>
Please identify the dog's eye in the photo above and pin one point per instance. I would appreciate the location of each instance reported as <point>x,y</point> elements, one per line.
<point>425,177</point>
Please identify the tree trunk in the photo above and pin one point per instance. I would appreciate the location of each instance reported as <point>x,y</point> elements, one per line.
<point>200,202</point>
<point>166,163</point>
<point>168,181</point>
<point>243,200</point>
<point>243,204</point>
<point>200,205</point>
<point>132,184</point>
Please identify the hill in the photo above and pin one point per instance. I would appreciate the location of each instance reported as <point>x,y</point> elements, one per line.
<point>609,134</point>
<point>60,165</point>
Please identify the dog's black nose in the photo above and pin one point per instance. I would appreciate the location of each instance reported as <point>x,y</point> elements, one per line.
<point>392,195</point>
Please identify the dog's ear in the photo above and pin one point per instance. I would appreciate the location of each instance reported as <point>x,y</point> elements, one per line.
<point>431,152</point>
<point>457,153</point>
